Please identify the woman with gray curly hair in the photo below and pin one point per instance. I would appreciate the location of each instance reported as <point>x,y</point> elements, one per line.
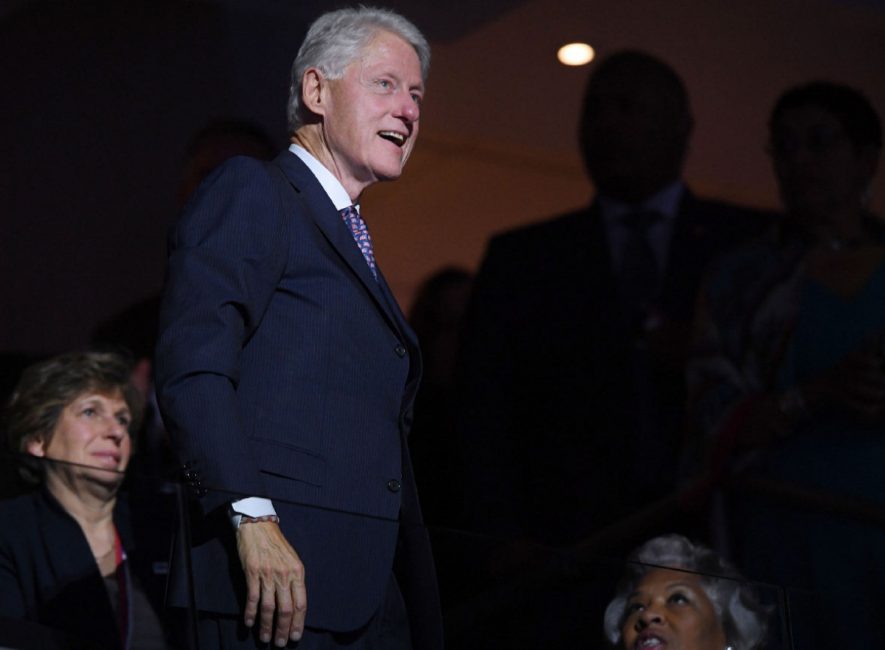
<point>683,596</point>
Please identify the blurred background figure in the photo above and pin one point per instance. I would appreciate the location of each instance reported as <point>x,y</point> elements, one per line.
<point>571,377</point>
<point>150,480</point>
<point>215,143</point>
<point>436,316</point>
<point>65,550</point>
<point>150,484</point>
<point>788,373</point>
<point>135,327</point>
<point>677,594</point>
<point>571,373</point>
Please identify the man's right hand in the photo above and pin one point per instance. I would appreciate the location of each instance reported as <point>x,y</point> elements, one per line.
<point>274,580</point>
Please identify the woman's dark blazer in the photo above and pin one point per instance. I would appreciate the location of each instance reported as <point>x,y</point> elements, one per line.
<point>51,592</point>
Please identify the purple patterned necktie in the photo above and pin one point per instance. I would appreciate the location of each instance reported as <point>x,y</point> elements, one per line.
<point>361,235</point>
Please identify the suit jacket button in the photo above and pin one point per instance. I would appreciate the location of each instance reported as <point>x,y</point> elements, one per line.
<point>400,351</point>
<point>393,485</point>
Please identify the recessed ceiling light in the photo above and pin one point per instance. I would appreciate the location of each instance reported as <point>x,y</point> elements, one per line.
<point>575,54</point>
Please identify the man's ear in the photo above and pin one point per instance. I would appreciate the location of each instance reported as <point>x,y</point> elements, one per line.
<point>36,446</point>
<point>313,91</point>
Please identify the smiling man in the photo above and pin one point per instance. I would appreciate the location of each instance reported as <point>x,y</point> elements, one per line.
<point>286,372</point>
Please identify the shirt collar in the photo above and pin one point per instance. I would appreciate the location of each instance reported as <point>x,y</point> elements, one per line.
<point>333,187</point>
<point>666,202</point>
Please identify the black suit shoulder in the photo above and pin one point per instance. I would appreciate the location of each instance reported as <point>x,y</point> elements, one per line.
<point>720,207</point>
<point>35,514</point>
<point>23,506</point>
<point>729,221</point>
<point>534,256</point>
<point>534,235</point>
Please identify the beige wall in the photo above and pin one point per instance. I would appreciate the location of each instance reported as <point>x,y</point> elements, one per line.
<point>498,142</point>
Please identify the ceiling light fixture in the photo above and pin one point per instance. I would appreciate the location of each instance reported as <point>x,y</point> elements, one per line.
<point>575,54</point>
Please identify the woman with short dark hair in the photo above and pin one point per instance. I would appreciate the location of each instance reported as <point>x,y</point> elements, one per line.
<point>64,569</point>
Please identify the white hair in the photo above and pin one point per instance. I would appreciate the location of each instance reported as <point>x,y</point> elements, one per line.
<point>336,39</point>
<point>743,618</point>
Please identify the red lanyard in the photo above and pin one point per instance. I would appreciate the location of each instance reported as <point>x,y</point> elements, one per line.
<point>122,589</point>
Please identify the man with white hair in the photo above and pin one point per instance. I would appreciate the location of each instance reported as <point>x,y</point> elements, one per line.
<point>286,372</point>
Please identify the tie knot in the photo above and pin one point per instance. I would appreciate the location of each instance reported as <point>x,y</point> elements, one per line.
<point>354,220</point>
<point>361,236</point>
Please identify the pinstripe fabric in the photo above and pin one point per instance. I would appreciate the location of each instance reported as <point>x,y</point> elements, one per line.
<point>284,369</point>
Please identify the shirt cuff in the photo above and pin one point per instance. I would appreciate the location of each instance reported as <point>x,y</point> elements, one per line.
<point>250,507</point>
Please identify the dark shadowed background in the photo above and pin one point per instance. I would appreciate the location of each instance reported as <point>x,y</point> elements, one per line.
<point>99,100</point>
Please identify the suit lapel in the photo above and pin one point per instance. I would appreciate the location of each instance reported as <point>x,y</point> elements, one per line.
<point>319,208</point>
<point>685,258</point>
<point>599,256</point>
<point>402,325</point>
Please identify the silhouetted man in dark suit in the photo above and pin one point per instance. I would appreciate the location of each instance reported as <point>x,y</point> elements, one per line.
<point>571,372</point>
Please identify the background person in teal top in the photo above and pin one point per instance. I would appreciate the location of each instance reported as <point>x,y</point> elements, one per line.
<point>787,377</point>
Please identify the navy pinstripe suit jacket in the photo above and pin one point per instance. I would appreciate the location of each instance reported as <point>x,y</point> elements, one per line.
<point>284,369</point>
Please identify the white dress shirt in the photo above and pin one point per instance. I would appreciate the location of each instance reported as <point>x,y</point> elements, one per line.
<point>666,202</point>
